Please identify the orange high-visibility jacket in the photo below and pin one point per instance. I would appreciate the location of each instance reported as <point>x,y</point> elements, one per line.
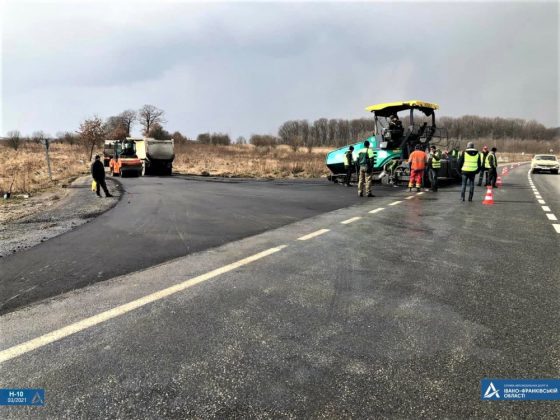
<point>417,160</point>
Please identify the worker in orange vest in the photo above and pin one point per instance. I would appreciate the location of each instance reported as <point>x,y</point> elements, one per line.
<point>417,161</point>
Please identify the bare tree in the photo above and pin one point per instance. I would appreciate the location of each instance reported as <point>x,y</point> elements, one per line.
<point>39,137</point>
<point>158,132</point>
<point>14,139</point>
<point>128,118</point>
<point>148,115</point>
<point>91,134</point>
<point>115,128</point>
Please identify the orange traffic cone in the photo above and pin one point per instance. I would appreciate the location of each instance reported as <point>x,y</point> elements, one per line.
<point>499,181</point>
<point>489,198</point>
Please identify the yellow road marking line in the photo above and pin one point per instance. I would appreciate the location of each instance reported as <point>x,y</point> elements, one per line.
<point>377,210</point>
<point>394,203</point>
<point>551,216</point>
<point>313,234</point>
<point>94,320</point>
<point>352,219</point>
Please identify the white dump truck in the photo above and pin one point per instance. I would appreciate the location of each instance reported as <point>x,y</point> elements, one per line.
<point>156,155</point>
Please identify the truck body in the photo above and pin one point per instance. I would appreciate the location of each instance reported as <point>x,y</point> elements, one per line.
<point>157,155</point>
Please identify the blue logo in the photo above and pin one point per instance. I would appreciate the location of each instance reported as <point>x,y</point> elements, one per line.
<point>519,389</point>
<point>22,396</point>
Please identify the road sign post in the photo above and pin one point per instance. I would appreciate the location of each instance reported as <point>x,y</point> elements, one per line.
<point>46,143</point>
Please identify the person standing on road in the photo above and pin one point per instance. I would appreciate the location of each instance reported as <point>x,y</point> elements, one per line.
<point>417,162</point>
<point>98,174</point>
<point>365,162</point>
<point>349,165</point>
<point>470,165</point>
<point>483,170</point>
<point>492,167</point>
<point>434,163</point>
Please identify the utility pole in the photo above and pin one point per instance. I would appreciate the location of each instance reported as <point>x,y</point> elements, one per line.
<point>46,142</point>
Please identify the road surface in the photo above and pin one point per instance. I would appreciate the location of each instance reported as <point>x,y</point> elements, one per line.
<point>392,307</point>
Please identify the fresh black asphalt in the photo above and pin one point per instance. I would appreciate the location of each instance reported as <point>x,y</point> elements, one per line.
<point>158,219</point>
<point>397,315</point>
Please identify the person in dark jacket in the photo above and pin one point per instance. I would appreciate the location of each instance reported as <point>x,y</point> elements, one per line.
<point>98,174</point>
<point>470,164</point>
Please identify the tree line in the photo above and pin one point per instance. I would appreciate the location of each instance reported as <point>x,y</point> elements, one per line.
<point>322,132</point>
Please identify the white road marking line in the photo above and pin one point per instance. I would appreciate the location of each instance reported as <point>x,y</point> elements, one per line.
<point>377,210</point>
<point>94,320</point>
<point>551,216</point>
<point>538,196</point>
<point>394,203</point>
<point>353,219</point>
<point>545,208</point>
<point>420,193</point>
<point>313,234</point>
<point>408,198</point>
<point>556,227</point>
<point>541,201</point>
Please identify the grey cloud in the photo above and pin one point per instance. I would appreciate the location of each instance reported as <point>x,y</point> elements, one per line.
<point>247,67</point>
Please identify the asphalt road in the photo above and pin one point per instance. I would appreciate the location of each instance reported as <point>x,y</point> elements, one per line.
<point>158,219</point>
<point>396,313</point>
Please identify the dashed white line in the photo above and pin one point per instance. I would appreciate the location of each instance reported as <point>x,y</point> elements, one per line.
<point>541,201</point>
<point>86,323</point>
<point>410,197</point>
<point>377,210</point>
<point>352,219</point>
<point>551,216</point>
<point>545,208</point>
<point>420,193</point>
<point>394,203</point>
<point>556,227</point>
<point>313,234</point>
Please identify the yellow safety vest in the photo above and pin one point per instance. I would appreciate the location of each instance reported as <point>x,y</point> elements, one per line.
<point>366,155</point>
<point>436,161</point>
<point>470,164</point>
<point>348,158</point>
<point>490,158</point>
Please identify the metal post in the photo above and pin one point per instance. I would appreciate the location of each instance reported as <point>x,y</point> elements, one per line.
<point>48,160</point>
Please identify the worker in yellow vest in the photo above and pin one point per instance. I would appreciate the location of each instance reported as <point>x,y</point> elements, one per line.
<point>470,164</point>
<point>492,166</point>
<point>434,163</point>
<point>484,170</point>
<point>349,165</point>
<point>366,161</point>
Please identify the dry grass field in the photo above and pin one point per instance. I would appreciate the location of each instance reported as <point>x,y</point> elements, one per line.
<point>250,161</point>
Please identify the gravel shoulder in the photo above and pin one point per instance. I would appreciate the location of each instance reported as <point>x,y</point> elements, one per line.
<point>25,223</point>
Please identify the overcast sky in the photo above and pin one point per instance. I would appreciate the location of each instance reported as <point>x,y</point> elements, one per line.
<point>244,68</point>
